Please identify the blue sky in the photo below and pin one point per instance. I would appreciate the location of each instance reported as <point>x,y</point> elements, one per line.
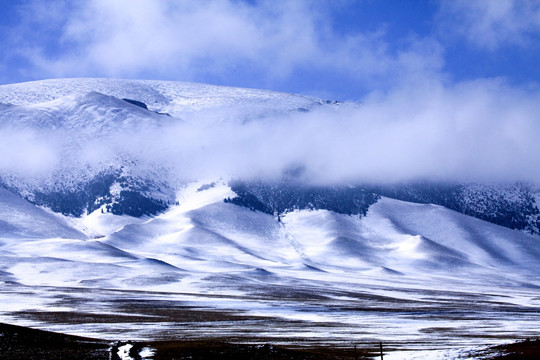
<point>345,50</point>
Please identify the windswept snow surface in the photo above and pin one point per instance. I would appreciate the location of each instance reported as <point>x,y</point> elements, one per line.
<point>20,219</point>
<point>416,277</point>
<point>175,98</point>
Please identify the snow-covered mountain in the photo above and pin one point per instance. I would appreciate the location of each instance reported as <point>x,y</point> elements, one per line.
<point>112,204</point>
<point>100,134</point>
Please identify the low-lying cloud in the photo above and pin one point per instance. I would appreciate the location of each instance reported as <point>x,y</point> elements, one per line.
<point>25,153</point>
<point>475,131</point>
<point>482,130</point>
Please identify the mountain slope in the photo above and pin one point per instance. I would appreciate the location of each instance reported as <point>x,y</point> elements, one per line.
<point>413,268</point>
<point>101,136</point>
<point>20,219</point>
<point>172,97</point>
<point>512,205</point>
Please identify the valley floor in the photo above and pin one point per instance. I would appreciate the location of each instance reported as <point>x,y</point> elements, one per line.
<point>18,342</point>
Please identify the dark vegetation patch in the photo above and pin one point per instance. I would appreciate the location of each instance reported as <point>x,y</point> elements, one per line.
<point>87,196</point>
<point>201,350</point>
<point>18,343</point>
<point>21,343</point>
<point>143,105</point>
<point>509,205</point>
<point>282,197</point>
<point>78,317</point>
<point>522,350</point>
<point>136,103</point>
<point>206,186</point>
<point>134,203</point>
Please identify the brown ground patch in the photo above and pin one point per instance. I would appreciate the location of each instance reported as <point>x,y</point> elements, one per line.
<point>18,343</point>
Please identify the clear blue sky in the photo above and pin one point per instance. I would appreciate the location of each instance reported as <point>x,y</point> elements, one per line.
<point>335,49</point>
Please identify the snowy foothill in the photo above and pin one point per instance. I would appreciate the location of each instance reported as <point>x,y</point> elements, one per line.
<point>410,275</point>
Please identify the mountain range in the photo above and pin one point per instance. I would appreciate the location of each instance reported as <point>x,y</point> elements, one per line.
<point>107,185</point>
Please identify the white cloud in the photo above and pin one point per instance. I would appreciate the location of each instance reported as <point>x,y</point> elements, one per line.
<point>25,152</point>
<point>264,41</point>
<point>490,24</point>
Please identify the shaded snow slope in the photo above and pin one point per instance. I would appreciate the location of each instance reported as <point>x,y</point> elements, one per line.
<point>513,205</point>
<point>395,238</point>
<point>207,235</point>
<point>467,238</point>
<point>20,219</point>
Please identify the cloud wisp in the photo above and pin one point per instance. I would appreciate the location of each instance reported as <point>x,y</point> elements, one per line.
<point>491,25</point>
<point>477,131</point>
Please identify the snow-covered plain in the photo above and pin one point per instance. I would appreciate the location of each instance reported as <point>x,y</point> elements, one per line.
<point>424,280</point>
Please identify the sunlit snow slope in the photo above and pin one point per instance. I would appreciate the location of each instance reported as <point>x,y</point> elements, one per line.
<point>72,258</point>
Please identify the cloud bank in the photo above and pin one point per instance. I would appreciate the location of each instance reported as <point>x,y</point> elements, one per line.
<point>479,131</point>
<point>476,131</point>
<point>25,152</point>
